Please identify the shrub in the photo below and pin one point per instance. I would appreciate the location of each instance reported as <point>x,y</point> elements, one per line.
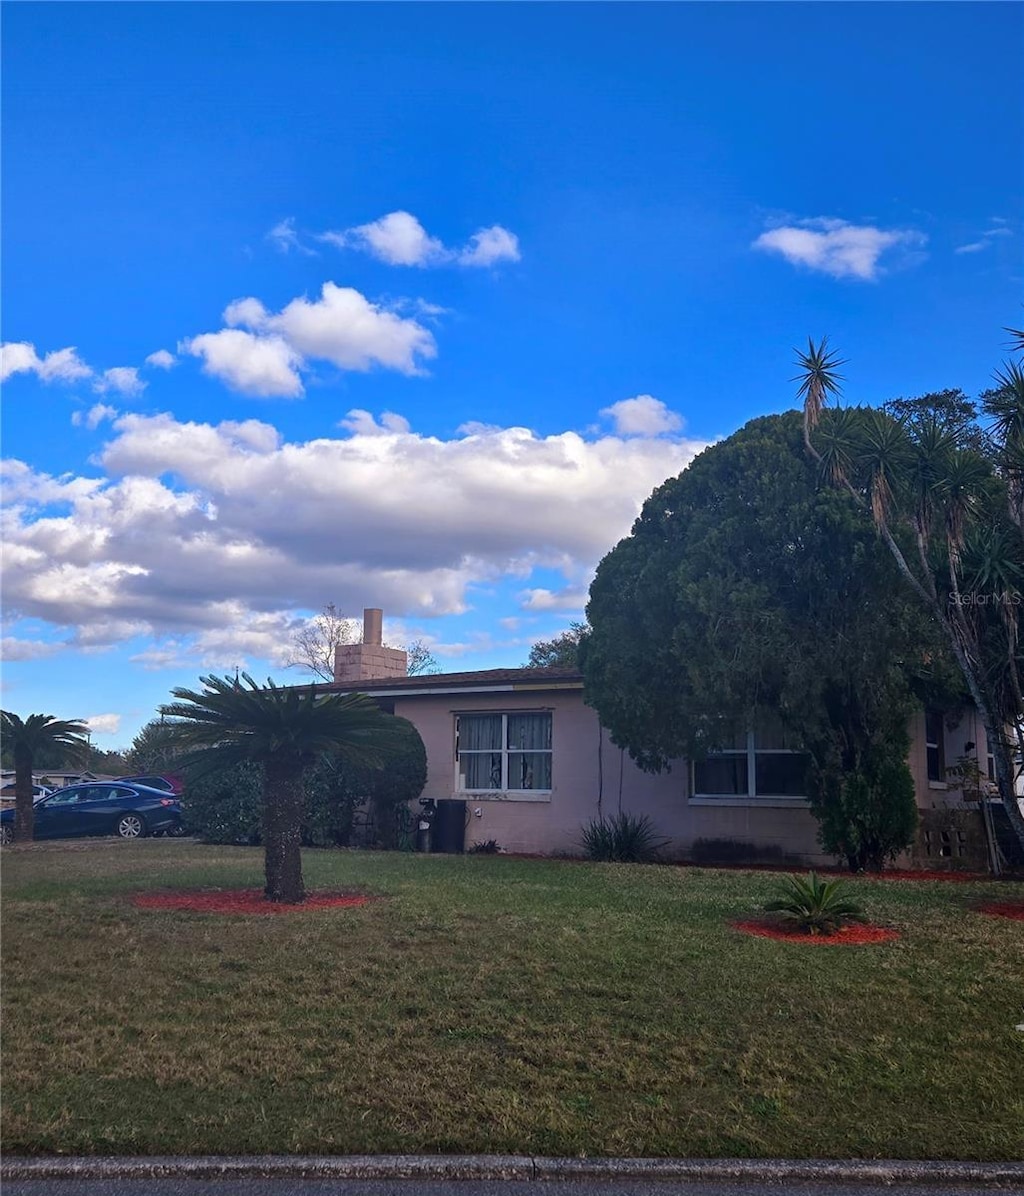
<point>226,806</point>
<point>736,851</point>
<point>815,905</point>
<point>623,838</point>
<point>866,809</point>
<point>486,847</point>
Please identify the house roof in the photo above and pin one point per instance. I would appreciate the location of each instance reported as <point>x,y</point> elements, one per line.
<point>479,681</point>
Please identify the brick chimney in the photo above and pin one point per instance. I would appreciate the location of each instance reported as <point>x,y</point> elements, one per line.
<point>370,660</point>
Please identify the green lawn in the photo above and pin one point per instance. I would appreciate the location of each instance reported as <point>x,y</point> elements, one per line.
<point>496,1005</point>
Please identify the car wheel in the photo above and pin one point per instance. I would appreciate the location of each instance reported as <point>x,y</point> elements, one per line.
<point>6,834</point>
<point>131,826</point>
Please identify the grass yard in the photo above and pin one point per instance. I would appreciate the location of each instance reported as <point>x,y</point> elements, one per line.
<point>496,1005</point>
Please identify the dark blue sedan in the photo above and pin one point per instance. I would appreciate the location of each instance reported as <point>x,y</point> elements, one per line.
<point>101,808</point>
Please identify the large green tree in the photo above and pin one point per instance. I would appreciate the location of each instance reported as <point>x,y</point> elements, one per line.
<point>747,592</point>
<point>154,749</point>
<point>946,500</point>
<point>233,721</point>
<point>26,740</point>
<point>560,652</point>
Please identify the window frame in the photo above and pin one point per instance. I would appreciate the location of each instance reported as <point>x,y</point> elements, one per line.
<point>937,745</point>
<point>504,793</point>
<point>749,753</point>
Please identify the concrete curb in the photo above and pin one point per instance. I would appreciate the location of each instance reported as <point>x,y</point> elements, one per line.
<point>521,1167</point>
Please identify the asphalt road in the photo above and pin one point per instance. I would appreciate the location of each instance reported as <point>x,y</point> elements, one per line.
<point>288,1186</point>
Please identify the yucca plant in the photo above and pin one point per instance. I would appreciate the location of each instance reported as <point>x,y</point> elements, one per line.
<point>623,838</point>
<point>815,905</point>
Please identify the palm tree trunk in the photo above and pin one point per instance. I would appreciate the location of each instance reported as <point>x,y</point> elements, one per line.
<point>283,800</point>
<point>24,810</point>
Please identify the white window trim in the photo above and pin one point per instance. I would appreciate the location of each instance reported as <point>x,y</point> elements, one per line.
<point>504,793</point>
<point>751,797</point>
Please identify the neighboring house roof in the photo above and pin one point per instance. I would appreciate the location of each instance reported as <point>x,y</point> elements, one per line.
<point>477,681</point>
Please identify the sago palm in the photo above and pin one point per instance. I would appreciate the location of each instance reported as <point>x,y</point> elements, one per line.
<point>815,905</point>
<point>234,720</point>
<point>27,740</point>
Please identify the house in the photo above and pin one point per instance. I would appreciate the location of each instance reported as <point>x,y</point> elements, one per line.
<point>45,779</point>
<point>533,765</point>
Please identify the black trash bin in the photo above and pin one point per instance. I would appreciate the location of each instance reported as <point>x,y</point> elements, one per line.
<point>449,829</point>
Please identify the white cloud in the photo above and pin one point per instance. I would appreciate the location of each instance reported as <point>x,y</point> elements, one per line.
<point>103,724</point>
<point>261,366</point>
<point>837,247</point>
<point>490,245</point>
<point>643,415</point>
<point>346,329</point>
<point>544,600</point>
<point>92,418</point>
<point>363,423</point>
<point>254,528</point>
<point>12,648</point>
<point>162,360</point>
<point>17,357</point>
<point>62,365</point>
<point>123,379</point>
<point>399,239</point>
<point>997,228</point>
<point>262,353</point>
<point>285,239</point>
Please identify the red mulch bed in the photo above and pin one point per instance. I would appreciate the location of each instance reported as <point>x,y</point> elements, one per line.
<point>852,935</point>
<point>961,878</point>
<point>1002,909</point>
<point>243,901</point>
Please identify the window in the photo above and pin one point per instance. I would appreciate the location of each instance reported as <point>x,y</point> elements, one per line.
<point>935,746</point>
<point>503,753</point>
<point>760,764</point>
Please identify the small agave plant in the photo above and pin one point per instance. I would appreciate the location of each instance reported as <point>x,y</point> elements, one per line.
<point>815,905</point>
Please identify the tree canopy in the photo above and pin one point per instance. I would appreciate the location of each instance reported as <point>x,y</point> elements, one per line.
<point>746,590</point>
<point>947,499</point>
<point>561,651</point>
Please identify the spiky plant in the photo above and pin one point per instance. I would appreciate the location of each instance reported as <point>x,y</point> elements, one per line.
<point>234,720</point>
<point>819,377</point>
<point>26,739</point>
<point>815,905</point>
<point>929,485</point>
<point>623,838</point>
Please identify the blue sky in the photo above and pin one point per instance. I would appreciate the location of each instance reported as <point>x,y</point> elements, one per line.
<point>433,295</point>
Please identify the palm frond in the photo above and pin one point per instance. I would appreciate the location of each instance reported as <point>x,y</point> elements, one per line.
<point>44,731</point>
<point>1005,403</point>
<point>966,476</point>
<point>886,457</point>
<point>816,905</point>
<point>837,444</point>
<point>1016,339</point>
<point>819,377</point>
<point>230,721</point>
